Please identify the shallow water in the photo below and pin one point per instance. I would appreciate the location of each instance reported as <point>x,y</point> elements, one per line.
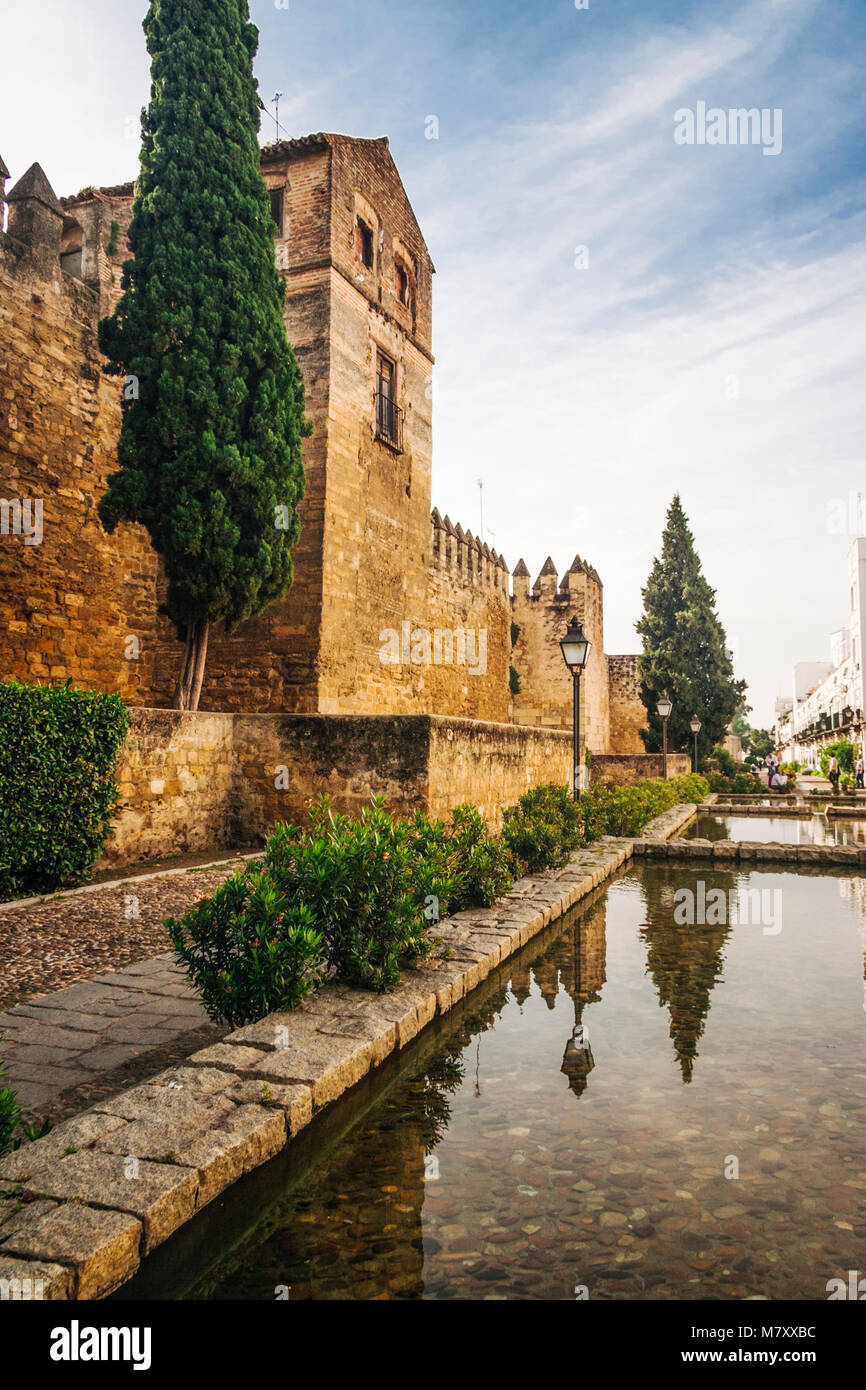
<point>509,1166</point>
<point>785,830</point>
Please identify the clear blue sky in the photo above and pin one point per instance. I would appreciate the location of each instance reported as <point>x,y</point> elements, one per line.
<point>713,345</point>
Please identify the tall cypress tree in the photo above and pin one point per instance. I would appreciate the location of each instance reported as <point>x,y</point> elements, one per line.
<point>210,446</point>
<point>684,646</point>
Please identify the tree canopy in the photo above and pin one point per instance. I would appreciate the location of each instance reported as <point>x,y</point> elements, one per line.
<point>213,408</point>
<point>684,646</point>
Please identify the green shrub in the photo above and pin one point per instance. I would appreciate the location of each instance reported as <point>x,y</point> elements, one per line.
<point>10,1116</point>
<point>723,760</point>
<point>626,810</point>
<point>249,950</point>
<point>58,793</point>
<point>354,897</point>
<point>543,829</point>
<point>460,865</point>
<point>359,880</point>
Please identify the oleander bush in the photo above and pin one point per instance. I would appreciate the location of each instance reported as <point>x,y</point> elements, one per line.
<point>359,879</point>
<point>626,810</point>
<point>249,949</point>
<point>459,864</point>
<point>354,898</point>
<point>543,829</point>
<point>58,791</point>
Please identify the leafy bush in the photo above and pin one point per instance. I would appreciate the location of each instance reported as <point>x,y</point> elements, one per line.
<point>10,1116</point>
<point>544,827</point>
<point>626,810</point>
<point>58,793</point>
<point>358,878</point>
<point>460,865</point>
<point>248,949</point>
<point>724,762</point>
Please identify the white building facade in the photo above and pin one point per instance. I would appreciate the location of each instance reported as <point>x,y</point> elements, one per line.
<point>827,696</point>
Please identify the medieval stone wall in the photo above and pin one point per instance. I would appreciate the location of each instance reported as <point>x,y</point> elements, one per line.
<point>79,603</point>
<point>542,615</point>
<point>200,781</point>
<point>627,713</point>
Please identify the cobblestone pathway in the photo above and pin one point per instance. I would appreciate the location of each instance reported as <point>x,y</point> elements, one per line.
<point>62,1049</point>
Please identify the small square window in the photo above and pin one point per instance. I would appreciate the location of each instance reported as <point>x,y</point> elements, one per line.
<point>366,235</point>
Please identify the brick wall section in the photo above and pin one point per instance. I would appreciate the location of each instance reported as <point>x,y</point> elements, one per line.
<point>627,712</point>
<point>69,604</point>
<point>492,765</point>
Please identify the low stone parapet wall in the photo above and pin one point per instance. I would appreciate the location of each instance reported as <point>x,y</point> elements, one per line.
<point>624,769</point>
<point>199,781</point>
<point>109,1186</point>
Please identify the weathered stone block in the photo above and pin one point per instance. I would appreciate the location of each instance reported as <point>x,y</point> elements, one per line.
<point>24,1281</point>
<point>162,1196</point>
<point>252,1135</point>
<point>102,1247</point>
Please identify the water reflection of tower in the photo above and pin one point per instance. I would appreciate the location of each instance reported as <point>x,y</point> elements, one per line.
<point>582,973</point>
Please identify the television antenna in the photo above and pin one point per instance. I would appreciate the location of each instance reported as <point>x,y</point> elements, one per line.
<point>276,101</point>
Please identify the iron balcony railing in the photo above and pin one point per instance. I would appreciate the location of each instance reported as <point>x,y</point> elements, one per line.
<point>389,421</point>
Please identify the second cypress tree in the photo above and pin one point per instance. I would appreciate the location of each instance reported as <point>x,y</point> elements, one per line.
<point>684,646</point>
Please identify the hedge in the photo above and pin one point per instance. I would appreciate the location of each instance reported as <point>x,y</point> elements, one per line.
<point>58,792</point>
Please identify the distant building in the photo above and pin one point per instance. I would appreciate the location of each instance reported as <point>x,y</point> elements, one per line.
<point>827,702</point>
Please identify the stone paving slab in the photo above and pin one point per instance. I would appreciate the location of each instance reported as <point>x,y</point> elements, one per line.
<point>60,1040</point>
<point>153,1155</point>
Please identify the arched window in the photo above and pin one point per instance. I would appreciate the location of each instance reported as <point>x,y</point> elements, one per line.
<point>71,247</point>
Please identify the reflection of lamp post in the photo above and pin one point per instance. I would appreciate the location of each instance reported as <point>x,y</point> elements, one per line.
<point>696,729</point>
<point>575,650</point>
<point>664,708</point>
<point>578,1060</point>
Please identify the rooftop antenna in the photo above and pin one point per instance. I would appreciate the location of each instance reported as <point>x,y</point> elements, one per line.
<point>276,101</point>
<point>481,505</point>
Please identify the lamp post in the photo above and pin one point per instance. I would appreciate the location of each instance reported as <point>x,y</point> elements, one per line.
<point>575,651</point>
<point>696,729</point>
<point>664,708</point>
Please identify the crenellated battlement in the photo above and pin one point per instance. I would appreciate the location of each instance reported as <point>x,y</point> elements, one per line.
<point>468,560</point>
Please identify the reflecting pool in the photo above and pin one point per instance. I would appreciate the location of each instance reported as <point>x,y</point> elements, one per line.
<point>784,830</point>
<point>653,1101</point>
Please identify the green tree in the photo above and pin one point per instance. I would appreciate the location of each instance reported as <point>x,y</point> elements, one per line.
<point>684,649</point>
<point>213,408</point>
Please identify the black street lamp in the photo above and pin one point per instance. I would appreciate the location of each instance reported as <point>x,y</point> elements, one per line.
<point>575,651</point>
<point>696,729</point>
<point>664,708</point>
